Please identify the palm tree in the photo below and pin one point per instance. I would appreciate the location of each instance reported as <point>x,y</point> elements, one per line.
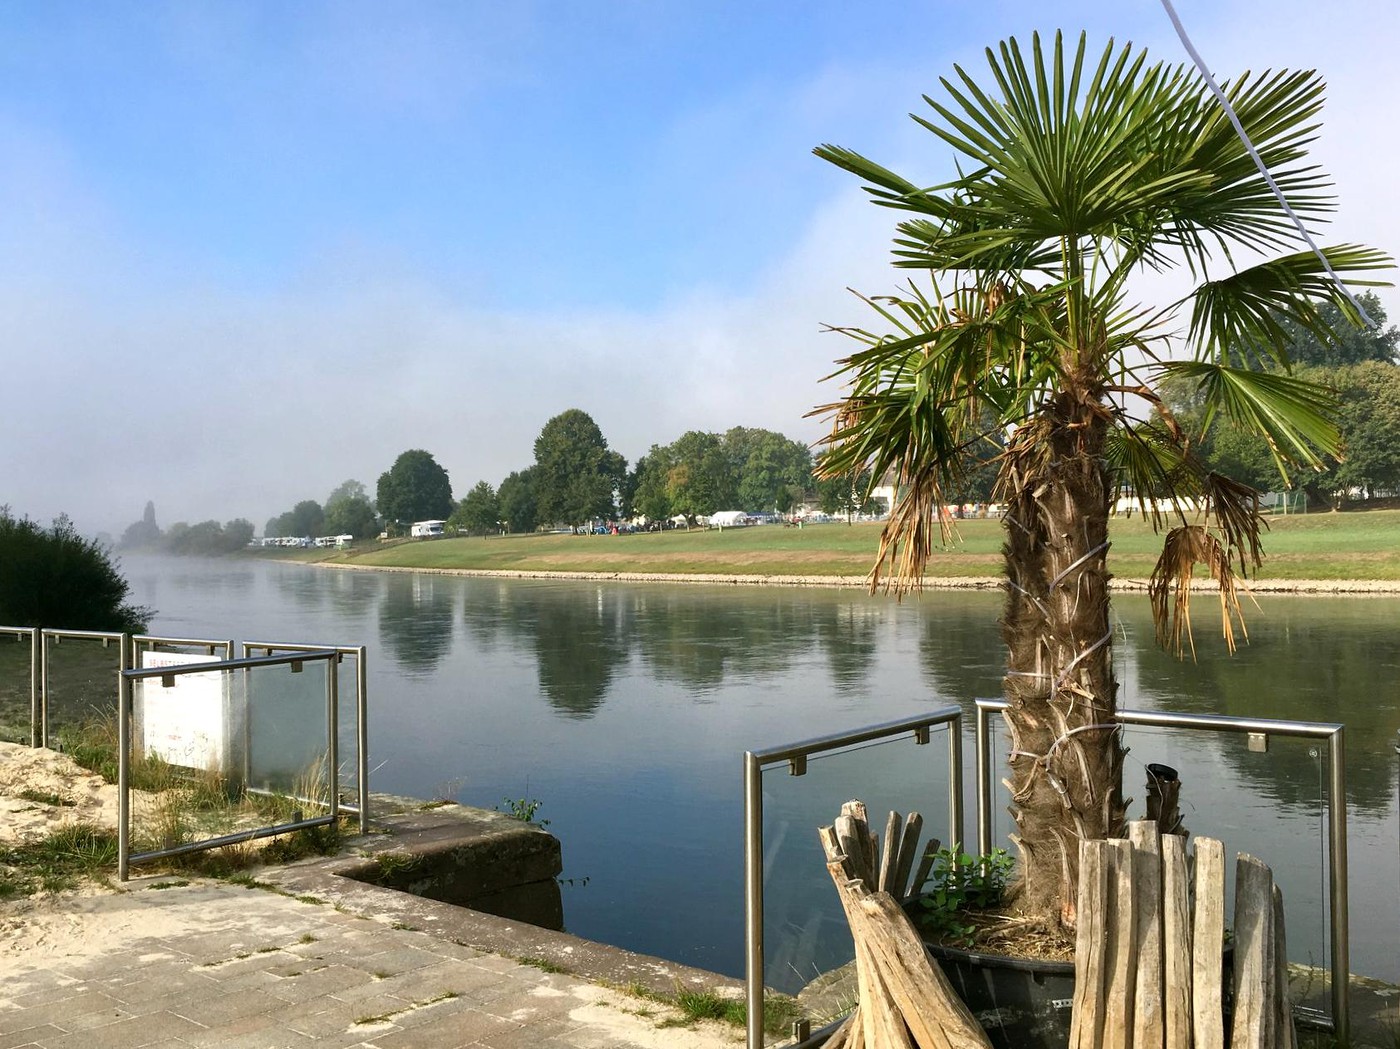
<point>1074,178</point>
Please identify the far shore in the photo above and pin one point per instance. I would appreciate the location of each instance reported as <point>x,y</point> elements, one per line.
<point>1340,587</point>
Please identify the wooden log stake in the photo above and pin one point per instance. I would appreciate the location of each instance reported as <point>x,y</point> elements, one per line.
<point>1148,990</point>
<point>1254,1025</point>
<point>1090,947</point>
<point>908,852</point>
<point>1122,955</point>
<point>1287,1033</point>
<point>925,865</point>
<point>1207,943</point>
<point>936,1016</point>
<point>1176,943</point>
<point>889,861</point>
<point>853,836</point>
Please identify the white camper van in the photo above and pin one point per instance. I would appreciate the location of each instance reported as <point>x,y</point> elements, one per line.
<point>426,529</point>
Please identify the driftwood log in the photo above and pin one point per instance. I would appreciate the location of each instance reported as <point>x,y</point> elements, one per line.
<point>905,1000</point>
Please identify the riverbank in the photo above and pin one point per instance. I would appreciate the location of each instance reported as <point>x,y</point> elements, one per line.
<point>1340,587</point>
<point>1351,553</point>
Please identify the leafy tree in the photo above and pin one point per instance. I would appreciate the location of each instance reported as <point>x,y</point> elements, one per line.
<point>415,488</point>
<point>479,512</point>
<point>576,476</point>
<point>1342,342</point>
<point>516,498</point>
<point>1073,177</point>
<point>649,484</point>
<point>845,494</point>
<point>238,533</point>
<point>53,577</point>
<point>764,464</point>
<point>351,515</point>
<point>701,479</point>
<point>351,489</point>
<point>143,534</point>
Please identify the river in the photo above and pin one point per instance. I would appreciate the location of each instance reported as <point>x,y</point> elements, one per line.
<point>625,710</point>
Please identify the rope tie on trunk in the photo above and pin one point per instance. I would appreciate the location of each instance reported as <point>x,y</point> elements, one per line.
<point>1069,667</point>
<point>1042,761</point>
<point>1076,563</point>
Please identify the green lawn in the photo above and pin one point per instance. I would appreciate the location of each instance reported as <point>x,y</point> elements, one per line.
<point>1362,545</point>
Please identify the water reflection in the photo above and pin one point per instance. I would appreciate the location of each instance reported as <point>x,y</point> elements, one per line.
<point>651,693</point>
<point>579,640</point>
<point>416,620</point>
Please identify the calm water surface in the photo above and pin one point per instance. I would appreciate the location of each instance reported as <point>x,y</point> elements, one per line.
<point>626,710</point>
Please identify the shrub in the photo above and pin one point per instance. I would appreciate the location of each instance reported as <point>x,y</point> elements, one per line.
<point>53,577</point>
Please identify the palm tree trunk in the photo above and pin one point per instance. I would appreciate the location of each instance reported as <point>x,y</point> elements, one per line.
<point>1066,759</point>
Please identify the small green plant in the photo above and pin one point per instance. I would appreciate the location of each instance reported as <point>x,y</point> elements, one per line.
<point>42,797</point>
<point>543,965</point>
<point>524,810</point>
<point>959,884</point>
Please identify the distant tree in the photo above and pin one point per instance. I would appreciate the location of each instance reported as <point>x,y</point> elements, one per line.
<point>648,482</point>
<point>516,498</point>
<point>273,528</point>
<point>701,481</point>
<point>351,515</point>
<point>347,490</point>
<point>53,577</point>
<point>845,494</point>
<point>142,534</point>
<point>764,463</point>
<point>479,512</point>
<point>1348,344</point>
<point>415,488</point>
<point>576,475</point>
<point>307,518</point>
<point>238,533</point>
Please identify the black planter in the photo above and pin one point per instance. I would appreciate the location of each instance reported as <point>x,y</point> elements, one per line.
<point>1021,1003</point>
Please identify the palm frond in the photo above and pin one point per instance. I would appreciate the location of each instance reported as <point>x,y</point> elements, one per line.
<point>1241,313</point>
<point>1169,589</point>
<point>1296,417</point>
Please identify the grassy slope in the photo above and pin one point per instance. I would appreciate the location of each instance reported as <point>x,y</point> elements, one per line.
<point>1314,546</point>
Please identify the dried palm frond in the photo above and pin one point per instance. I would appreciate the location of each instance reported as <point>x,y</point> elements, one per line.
<point>1186,547</point>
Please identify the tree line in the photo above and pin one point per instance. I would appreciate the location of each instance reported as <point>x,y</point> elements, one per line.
<point>577,478</point>
<point>1361,366</point>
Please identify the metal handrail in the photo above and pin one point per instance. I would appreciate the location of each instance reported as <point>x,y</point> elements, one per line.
<point>124,715</point>
<point>361,713</point>
<point>1333,734</point>
<point>796,755</point>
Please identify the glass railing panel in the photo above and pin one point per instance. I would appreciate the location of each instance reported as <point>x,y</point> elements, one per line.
<point>225,752</point>
<point>1271,804</point>
<point>80,685</point>
<point>807,944</point>
<point>16,684</point>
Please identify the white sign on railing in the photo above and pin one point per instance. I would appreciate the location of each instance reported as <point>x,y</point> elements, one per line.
<point>187,723</point>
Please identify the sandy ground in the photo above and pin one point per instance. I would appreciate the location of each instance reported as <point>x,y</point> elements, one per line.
<point>84,797</point>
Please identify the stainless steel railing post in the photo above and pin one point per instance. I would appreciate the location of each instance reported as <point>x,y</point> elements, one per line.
<point>753,900</point>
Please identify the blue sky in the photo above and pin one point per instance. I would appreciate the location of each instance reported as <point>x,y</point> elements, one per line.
<point>251,250</point>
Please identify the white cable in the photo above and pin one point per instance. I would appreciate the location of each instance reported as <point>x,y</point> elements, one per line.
<point>1259,161</point>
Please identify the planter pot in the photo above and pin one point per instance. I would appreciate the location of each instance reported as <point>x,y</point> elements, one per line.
<point>1020,1002</point>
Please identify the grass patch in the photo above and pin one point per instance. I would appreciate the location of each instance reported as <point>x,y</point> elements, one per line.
<point>60,861</point>
<point>173,805</point>
<point>1349,545</point>
<point>544,965</point>
<point>45,798</point>
<point>779,1011</point>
